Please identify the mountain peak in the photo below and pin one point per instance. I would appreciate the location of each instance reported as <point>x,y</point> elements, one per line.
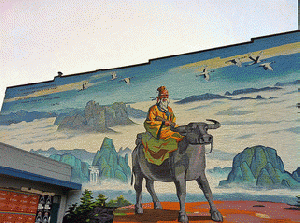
<point>107,142</point>
<point>259,166</point>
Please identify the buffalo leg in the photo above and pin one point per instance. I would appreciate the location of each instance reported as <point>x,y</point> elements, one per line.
<point>138,191</point>
<point>181,193</point>
<point>204,186</point>
<point>150,188</point>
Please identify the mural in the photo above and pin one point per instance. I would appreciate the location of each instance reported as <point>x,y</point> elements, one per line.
<point>91,120</point>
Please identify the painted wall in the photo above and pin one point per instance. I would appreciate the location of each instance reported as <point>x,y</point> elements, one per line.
<point>91,120</point>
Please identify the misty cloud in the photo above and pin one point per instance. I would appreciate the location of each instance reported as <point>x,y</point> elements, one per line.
<point>214,103</point>
<point>221,155</point>
<point>248,123</point>
<point>233,112</point>
<point>245,136</point>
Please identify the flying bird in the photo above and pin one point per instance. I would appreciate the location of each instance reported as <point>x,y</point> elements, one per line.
<point>236,61</point>
<point>126,80</point>
<point>267,66</point>
<point>114,76</point>
<point>83,86</point>
<point>205,73</point>
<point>255,60</point>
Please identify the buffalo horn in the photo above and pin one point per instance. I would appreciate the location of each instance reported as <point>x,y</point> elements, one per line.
<point>211,148</point>
<point>180,129</point>
<point>213,126</point>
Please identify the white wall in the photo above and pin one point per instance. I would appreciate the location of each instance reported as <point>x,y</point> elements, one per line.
<point>33,163</point>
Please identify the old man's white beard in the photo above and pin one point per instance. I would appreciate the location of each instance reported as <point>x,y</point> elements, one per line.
<point>164,104</point>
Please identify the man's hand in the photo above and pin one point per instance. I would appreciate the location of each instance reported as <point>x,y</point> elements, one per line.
<point>167,123</point>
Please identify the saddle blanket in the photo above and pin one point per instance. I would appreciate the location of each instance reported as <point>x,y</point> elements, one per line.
<point>157,150</point>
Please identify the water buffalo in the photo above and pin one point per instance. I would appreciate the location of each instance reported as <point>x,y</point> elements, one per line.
<point>185,164</point>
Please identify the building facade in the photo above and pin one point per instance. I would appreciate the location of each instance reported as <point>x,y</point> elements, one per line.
<point>33,188</point>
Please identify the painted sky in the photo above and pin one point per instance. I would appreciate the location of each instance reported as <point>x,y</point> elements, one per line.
<point>40,37</point>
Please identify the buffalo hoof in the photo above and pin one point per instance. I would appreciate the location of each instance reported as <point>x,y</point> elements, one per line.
<point>157,205</point>
<point>216,215</point>
<point>183,218</point>
<point>138,210</point>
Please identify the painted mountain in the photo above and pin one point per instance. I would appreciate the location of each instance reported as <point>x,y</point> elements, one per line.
<point>80,170</point>
<point>110,163</point>
<point>219,172</point>
<point>259,166</point>
<point>94,118</point>
<point>81,154</point>
<point>113,165</point>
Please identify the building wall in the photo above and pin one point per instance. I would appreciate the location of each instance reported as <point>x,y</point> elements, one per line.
<point>20,184</point>
<point>23,160</point>
<point>20,160</point>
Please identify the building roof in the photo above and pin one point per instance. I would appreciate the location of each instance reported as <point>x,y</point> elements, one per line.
<point>8,171</point>
<point>15,162</point>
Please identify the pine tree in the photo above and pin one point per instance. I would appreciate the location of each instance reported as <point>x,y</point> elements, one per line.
<point>87,203</point>
<point>100,201</point>
<point>119,202</point>
<point>72,212</point>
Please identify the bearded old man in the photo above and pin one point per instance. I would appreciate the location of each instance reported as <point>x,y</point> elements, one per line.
<point>159,140</point>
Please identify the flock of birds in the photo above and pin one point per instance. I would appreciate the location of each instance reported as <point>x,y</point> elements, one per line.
<point>126,79</point>
<point>238,62</point>
<point>205,72</point>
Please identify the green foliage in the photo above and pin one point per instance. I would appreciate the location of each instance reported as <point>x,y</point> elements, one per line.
<point>119,202</point>
<point>79,213</point>
<point>100,201</point>
<point>71,213</point>
<point>84,211</point>
<point>86,202</point>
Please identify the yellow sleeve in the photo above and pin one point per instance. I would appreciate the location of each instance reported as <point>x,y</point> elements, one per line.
<point>152,114</point>
<point>150,124</point>
<point>172,116</point>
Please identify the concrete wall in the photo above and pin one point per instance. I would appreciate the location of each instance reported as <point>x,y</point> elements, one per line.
<point>22,160</point>
<point>20,184</point>
<point>33,163</point>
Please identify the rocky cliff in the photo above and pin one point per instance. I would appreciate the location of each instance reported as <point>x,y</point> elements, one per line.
<point>80,170</point>
<point>122,152</point>
<point>20,116</point>
<point>95,118</point>
<point>296,174</point>
<point>110,163</point>
<point>81,154</point>
<point>287,83</point>
<point>219,172</point>
<point>135,113</point>
<point>251,90</point>
<point>259,166</point>
<point>203,97</point>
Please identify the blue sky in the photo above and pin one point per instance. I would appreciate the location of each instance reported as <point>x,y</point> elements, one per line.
<point>40,37</point>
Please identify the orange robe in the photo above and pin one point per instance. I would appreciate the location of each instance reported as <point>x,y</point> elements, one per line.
<point>161,140</point>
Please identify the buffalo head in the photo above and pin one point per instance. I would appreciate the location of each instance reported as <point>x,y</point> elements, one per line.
<point>196,132</point>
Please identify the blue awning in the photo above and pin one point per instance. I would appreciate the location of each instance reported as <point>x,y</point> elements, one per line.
<point>35,177</point>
